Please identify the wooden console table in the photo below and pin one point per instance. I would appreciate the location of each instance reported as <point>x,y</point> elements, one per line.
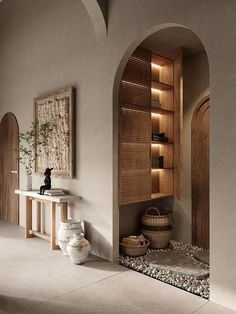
<point>53,201</point>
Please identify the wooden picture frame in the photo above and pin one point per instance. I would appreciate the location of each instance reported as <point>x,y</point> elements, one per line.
<point>58,109</point>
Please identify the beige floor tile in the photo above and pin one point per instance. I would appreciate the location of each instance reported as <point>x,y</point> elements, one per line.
<point>49,277</point>
<point>36,280</point>
<point>128,292</point>
<point>213,308</point>
<point>31,273</point>
<point>16,250</point>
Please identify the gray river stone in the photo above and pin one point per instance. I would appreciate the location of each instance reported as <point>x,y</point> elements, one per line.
<point>202,256</point>
<point>176,263</point>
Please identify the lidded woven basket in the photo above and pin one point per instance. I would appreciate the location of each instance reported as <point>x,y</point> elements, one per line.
<point>157,227</point>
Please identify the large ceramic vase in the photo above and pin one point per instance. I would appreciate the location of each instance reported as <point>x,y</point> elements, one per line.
<point>67,228</point>
<point>78,249</point>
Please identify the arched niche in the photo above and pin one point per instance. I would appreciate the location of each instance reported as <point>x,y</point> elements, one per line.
<point>181,216</point>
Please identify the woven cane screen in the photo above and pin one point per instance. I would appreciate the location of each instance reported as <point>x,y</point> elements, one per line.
<point>135,126</point>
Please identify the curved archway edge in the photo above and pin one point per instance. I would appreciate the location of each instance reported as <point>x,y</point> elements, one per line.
<point>119,71</point>
<point>97,11</point>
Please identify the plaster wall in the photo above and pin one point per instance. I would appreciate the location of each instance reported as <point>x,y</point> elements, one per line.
<point>46,45</point>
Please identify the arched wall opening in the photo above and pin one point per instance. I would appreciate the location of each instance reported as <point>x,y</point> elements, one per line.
<point>165,40</point>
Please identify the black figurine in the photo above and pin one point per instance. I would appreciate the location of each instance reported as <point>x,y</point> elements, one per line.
<point>47,181</point>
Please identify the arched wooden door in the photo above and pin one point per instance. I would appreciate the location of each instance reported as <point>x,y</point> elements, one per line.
<point>9,167</point>
<point>200,174</point>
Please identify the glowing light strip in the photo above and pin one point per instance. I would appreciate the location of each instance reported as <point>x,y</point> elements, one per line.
<point>156,90</point>
<point>155,115</point>
<point>157,66</point>
<point>134,84</point>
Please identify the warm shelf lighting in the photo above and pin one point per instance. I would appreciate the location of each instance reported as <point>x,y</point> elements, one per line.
<point>155,115</point>
<point>156,170</point>
<point>155,90</point>
<point>134,84</point>
<point>156,66</point>
<point>155,145</point>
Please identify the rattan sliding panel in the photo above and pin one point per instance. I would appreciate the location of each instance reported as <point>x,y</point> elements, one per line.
<point>136,80</point>
<point>135,126</point>
<point>135,186</point>
<point>135,93</point>
<point>134,157</point>
<point>138,66</point>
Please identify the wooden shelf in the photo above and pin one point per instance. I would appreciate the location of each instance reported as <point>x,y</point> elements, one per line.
<point>153,169</point>
<point>161,86</point>
<point>163,92</point>
<point>161,111</point>
<point>160,60</point>
<point>160,195</point>
<point>161,143</point>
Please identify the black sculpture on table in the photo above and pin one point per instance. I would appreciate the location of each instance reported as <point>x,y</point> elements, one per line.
<point>47,181</point>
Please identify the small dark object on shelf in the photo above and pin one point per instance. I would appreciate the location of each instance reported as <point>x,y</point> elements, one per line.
<point>158,162</point>
<point>160,137</point>
<point>159,134</point>
<point>47,181</point>
<point>156,104</point>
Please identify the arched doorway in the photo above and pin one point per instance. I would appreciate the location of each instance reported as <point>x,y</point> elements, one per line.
<point>164,40</point>
<point>200,174</point>
<point>9,167</point>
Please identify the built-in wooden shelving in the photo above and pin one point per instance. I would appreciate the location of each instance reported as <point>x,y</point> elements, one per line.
<point>149,103</point>
<point>162,121</point>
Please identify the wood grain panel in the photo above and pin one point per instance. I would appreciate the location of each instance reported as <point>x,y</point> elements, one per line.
<point>166,150</point>
<point>178,114</point>
<point>200,175</point>
<point>9,178</point>
<point>166,125</point>
<point>166,181</point>
<point>162,181</point>
<point>166,74</point>
<point>155,181</point>
<point>166,99</point>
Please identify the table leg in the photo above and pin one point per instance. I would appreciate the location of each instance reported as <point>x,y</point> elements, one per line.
<point>53,225</point>
<point>38,216</point>
<point>64,211</point>
<point>28,217</point>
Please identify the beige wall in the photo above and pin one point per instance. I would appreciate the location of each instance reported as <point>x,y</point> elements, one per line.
<point>46,45</point>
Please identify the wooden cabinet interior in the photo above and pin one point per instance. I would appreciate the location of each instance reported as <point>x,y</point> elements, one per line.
<point>162,121</point>
<point>149,99</point>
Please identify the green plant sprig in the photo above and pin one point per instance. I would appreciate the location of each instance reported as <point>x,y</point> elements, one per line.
<point>28,143</point>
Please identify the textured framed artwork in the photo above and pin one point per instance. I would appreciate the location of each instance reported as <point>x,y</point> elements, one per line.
<point>58,110</point>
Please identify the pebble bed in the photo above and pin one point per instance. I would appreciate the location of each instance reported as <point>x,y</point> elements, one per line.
<point>199,287</point>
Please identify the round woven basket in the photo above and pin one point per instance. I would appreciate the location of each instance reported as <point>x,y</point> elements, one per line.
<point>157,228</point>
<point>134,250</point>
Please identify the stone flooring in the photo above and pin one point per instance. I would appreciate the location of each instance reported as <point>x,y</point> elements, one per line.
<point>175,265</point>
<point>35,280</point>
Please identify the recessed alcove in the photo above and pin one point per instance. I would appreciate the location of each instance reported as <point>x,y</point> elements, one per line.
<point>169,185</point>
